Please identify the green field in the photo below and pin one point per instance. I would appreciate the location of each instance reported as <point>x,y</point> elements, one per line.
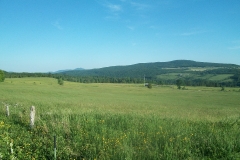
<point>118,121</point>
<point>202,68</point>
<point>211,77</point>
<point>220,77</point>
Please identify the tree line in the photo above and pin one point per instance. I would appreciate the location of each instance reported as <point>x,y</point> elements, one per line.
<point>150,78</point>
<point>2,76</point>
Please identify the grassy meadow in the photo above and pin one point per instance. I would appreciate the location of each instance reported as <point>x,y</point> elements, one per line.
<point>118,121</point>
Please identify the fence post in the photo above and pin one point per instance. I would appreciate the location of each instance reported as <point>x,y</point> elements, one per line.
<point>55,147</point>
<point>32,116</point>
<point>7,111</point>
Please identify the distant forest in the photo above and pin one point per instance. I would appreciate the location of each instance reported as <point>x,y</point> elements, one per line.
<point>185,70</point>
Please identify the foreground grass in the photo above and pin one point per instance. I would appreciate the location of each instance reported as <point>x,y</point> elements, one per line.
<point>108,136</point>
<point>115,121</point>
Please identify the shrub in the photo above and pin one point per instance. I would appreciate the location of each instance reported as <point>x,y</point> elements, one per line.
<point>60,81</point>
<point>223,88</point>
<point>149,85</point>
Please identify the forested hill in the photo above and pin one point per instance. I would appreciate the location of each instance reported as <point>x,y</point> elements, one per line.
<point>150,69</point>
<point>190,72</point>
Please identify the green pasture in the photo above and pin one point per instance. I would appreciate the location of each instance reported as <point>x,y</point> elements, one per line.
<point>220,77</point>
<point>202,68</point>
<point>211,77</point>
<point>173,76</point>
<point>118,121</point>
<point>165,101</point>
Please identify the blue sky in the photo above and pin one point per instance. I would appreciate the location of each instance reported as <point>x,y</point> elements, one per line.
<point>49,35</point>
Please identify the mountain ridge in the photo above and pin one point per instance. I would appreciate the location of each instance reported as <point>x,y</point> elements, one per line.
<point>152,68</point>
<point>66,70</point>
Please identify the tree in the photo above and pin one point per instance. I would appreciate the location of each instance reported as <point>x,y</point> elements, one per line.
<point>2,76</point>
<point>60,81</point>
<point>179,82</point>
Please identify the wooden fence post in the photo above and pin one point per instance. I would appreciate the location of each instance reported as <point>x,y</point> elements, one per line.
<point>32,116</point>
<point>7,111</point>
<point>55,147</point>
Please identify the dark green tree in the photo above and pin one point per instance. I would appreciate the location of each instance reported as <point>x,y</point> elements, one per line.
<point>179,82</point>
<point>2,76</point>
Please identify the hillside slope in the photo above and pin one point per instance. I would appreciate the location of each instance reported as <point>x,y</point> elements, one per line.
<point>149,69</point>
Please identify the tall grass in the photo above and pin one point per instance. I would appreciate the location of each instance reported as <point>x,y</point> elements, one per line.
<point>97,135</point>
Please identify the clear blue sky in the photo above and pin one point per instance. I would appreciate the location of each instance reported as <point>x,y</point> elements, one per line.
<point>49,35</point>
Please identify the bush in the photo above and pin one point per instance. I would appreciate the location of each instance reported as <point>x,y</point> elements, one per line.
<point>184,88</point>
<point>149,85</point>
<point>60,81</point>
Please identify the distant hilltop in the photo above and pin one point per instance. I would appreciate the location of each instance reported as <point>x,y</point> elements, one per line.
<point>66,70</point>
